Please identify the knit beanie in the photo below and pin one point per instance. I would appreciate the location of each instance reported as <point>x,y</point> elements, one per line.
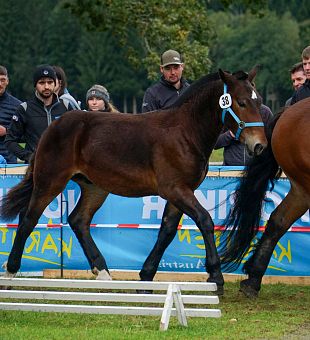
<point>98,91</point>
<point>43,71</point>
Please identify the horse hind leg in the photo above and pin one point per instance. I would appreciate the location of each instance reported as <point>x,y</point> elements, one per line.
<point>170,221</point>
<point>41,196</point>
<point>289,210</point>
<point>80,218</point>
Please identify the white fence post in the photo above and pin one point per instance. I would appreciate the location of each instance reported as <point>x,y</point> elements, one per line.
<point>173,295</point>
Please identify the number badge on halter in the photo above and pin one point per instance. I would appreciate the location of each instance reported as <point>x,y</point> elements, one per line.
<point>225,101</point>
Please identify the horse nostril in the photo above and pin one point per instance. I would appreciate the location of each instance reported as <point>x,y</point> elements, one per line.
<point>258,149</point>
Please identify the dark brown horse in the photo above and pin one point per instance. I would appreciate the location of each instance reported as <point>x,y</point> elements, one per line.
<point>289,150</point>
<point>162,153</point>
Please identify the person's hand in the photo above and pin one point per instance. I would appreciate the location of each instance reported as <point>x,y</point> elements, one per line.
<point>2,130</point>
<point>232,134</point>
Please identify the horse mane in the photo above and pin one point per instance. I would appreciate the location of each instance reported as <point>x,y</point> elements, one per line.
<point>195,87</point>
<point>241,75</point>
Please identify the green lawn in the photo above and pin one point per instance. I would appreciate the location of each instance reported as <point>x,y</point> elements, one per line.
<point>217,156</point>
<point>280,311</point>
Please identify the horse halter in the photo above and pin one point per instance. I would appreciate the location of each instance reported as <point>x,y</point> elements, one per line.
<point>225,102</point>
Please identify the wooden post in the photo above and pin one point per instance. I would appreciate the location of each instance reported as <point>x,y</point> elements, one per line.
<point>178,302</point>
<point>165,317</point>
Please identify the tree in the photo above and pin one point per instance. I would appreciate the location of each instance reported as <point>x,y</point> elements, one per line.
<point>101,60</point>
<point>23,41</point>
<point>257,7</point>
<point>271,41</point>
<point>159,25</point>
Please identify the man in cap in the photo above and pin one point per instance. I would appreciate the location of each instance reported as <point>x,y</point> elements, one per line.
<point>8,105</point>
<point>33,116</point>
<point>170,86</point>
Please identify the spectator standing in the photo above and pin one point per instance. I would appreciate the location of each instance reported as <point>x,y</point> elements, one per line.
<point>298,77</point>
<point>98,99</point>
<point>33,116</point>
<point>8,105</point>
<point>61,88</point>
<point>235,152</point>
<point>170,86</point>
<point>304,91</point>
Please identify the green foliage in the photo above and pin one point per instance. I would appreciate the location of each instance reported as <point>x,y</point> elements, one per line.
<point>181,25</point>
<point>257,7</point>
<point>246,40</point>
<point>120,42</point>
<point>100,60</point>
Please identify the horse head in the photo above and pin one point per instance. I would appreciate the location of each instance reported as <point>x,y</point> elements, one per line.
<point>241,109</point>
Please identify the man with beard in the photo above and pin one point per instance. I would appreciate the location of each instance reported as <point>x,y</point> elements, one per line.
<point>33,116</point>
<point>170,86</point>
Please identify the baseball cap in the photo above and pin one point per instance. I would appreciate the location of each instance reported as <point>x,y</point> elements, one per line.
<point>171,57</point>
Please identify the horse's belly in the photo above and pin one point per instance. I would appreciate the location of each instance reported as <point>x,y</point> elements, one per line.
<point>129,183</point>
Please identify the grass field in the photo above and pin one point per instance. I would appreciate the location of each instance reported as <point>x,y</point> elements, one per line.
<point>217,156</point>
<point>281,312</point>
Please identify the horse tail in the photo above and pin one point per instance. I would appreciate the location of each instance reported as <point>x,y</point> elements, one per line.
<point>242,223</point>
<point>19,196</point>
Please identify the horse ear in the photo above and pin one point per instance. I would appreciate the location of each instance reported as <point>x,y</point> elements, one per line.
<point>253,72</point>
<point>225,76</point>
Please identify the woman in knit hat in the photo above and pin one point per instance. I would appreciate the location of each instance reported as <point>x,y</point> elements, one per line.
<point>98,99</point>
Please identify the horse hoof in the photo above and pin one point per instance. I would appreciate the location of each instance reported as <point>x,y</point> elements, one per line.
<point>220,290</point>
<point>102,275</point>
<point>248,290</point>
<point>5,265</point>
<point>7,275</point>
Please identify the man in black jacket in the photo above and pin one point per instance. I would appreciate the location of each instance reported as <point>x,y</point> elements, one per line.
<point>304,91</point>
<point>35,115</point>
<point>170,86</point>
<point>8,105</point>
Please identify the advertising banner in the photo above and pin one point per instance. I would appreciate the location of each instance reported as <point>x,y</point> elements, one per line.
<point>125,230</point>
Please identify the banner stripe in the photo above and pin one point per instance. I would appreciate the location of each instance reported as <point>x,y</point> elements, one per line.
<point>148,226</point>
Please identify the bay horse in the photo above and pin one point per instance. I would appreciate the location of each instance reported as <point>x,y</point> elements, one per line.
<point>163,153</point>
<point>288,150</point>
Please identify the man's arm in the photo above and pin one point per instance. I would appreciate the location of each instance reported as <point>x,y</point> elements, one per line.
<point>294,98</point>
<point>224,139</point>
<point>14,135</point>
<point>149,102</point>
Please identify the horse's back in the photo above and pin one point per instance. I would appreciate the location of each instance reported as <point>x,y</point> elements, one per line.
<point>110,149</point>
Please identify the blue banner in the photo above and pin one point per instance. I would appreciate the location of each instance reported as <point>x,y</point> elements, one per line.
<point>125,230</point>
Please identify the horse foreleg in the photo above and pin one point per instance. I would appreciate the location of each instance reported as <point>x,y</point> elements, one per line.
<point>213,264</point>
<point>204,222</point>
<point>80,218</point>
<point>169,224</point>
<point>289,210</point>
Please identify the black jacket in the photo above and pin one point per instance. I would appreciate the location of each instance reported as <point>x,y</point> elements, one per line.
<point>162,95</point>
<point>27,125</point>
<point>302,93</point>
<point>8,105</point>
<point>235,153</point>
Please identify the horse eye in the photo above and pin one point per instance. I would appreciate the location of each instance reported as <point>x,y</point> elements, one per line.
<point>241,103</point>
